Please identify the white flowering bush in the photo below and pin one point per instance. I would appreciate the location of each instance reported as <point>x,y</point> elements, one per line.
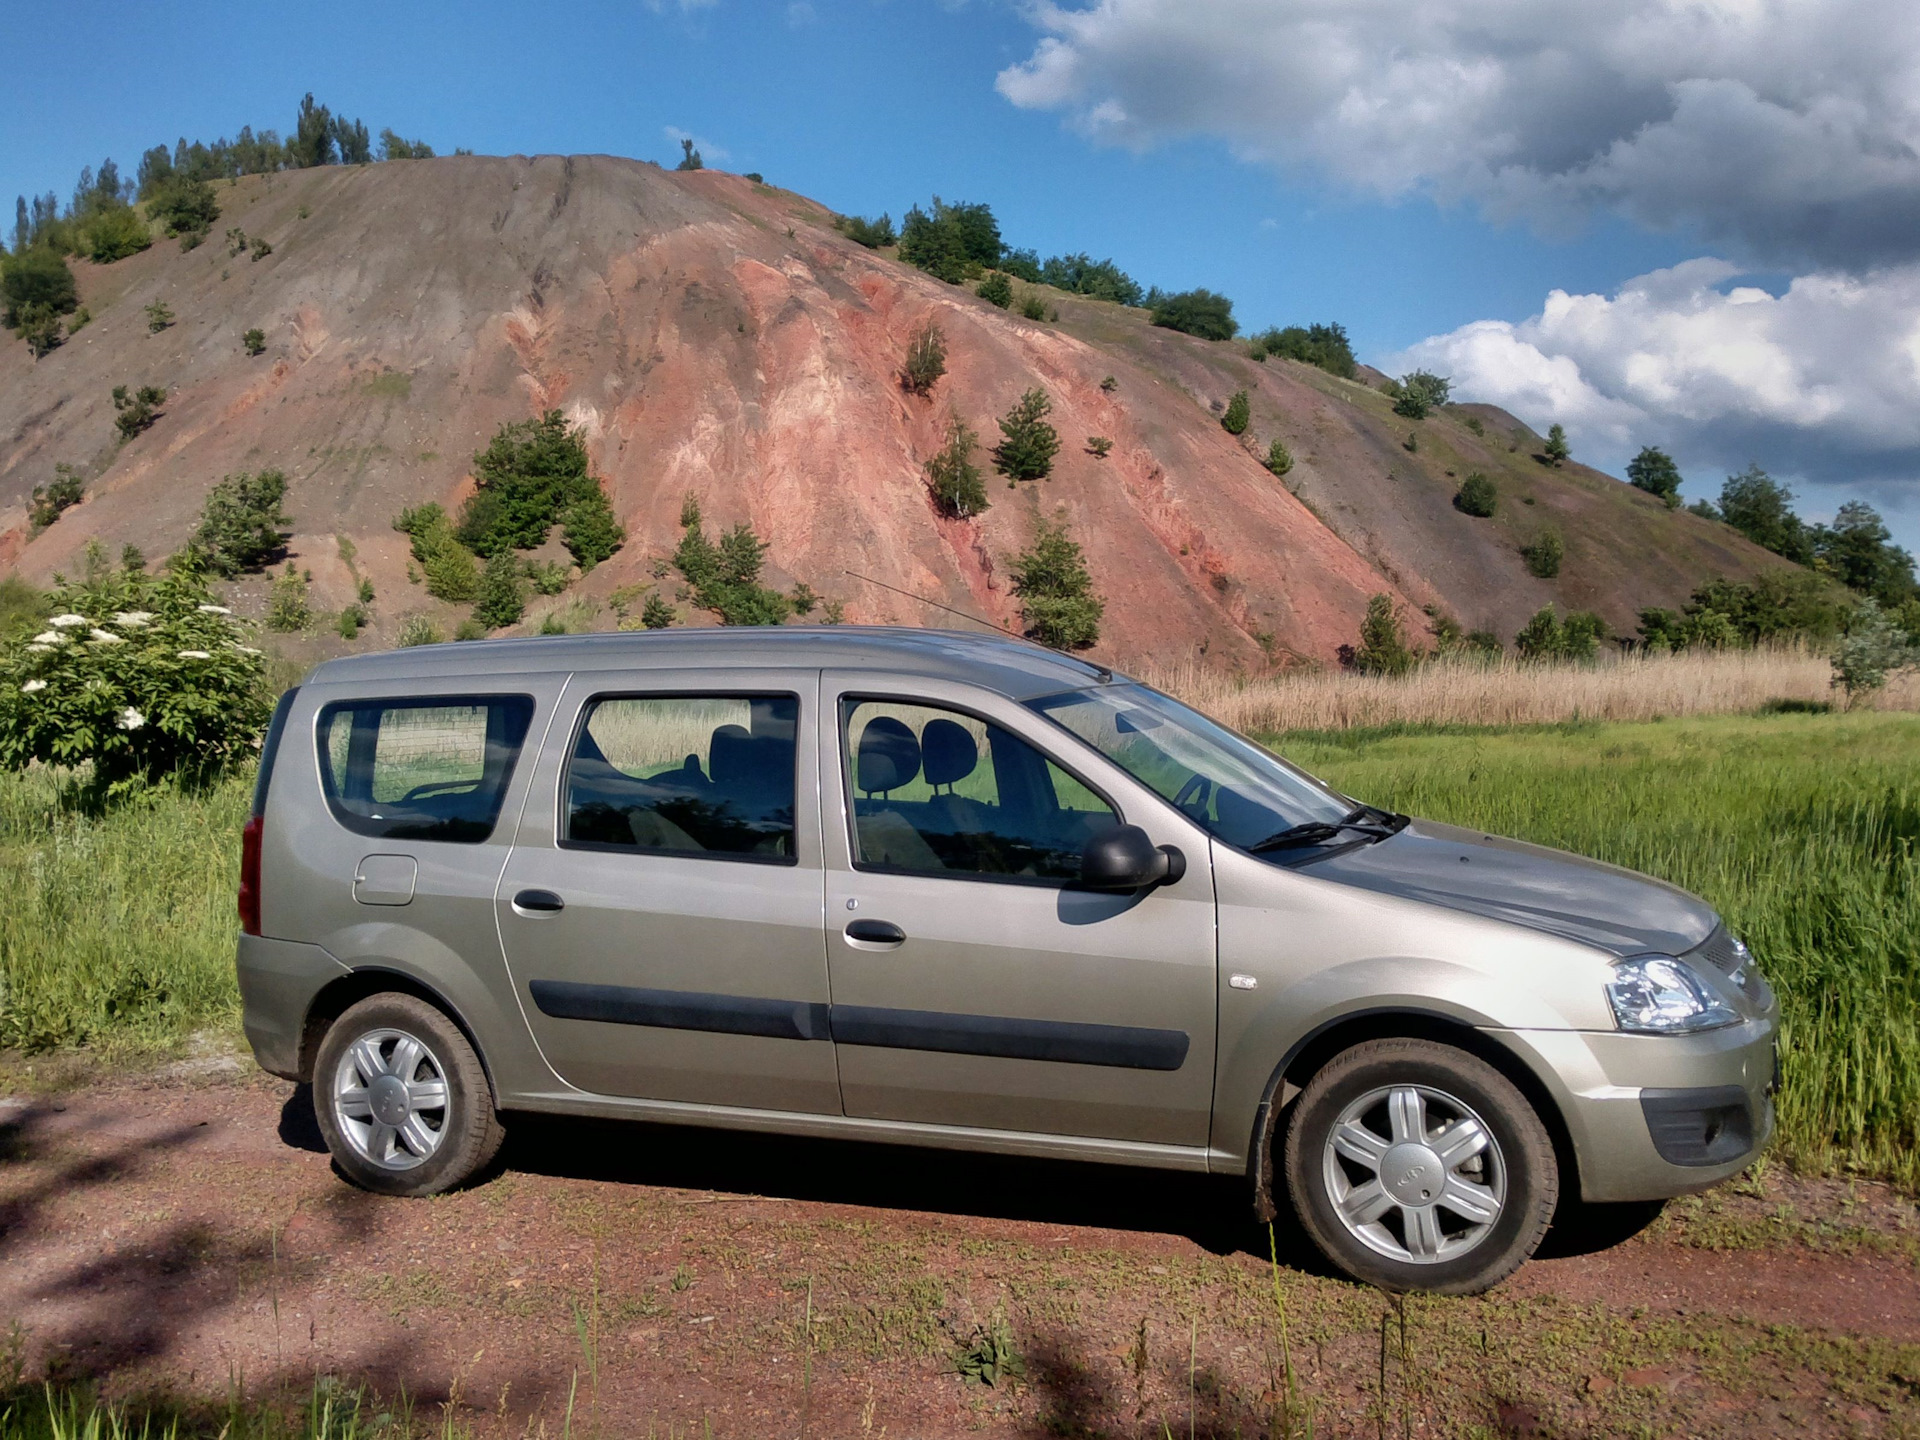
<point>140,677</point>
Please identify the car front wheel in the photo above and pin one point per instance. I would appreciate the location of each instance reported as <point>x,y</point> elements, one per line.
<point>1416,1166</point>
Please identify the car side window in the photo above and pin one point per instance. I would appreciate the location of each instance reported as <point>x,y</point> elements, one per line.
<point>709,775</point>
<point>421,769</point>
<point>939,791</point>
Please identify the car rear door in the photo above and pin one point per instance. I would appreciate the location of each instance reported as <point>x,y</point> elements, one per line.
<point>661,909</point>
<point>973,983</point>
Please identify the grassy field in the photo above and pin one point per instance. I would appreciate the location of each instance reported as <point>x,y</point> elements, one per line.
<point>1803,829</point>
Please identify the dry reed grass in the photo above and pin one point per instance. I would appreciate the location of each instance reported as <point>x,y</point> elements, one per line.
<point>1514,692</point>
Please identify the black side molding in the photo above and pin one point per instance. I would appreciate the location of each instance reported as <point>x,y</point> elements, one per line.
<point>682,1010</point>
<point>1122,1046</point>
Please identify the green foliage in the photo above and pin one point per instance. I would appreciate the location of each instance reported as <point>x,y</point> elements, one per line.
<point>144,678</point>
<point>1556,449</point>
<point>1325,346</point>
<point>236,242</point>
<point>1706,510</point>
<point>1857,550</point>
<point>254,341</point>
<point>1874,648</point>
<point>952,477</point>
<point>352,619</point>
<point>1109,385</point>
<point>1383,648</point>
<point>1056,591</point>
<point>355,145</point>
<point>926,359</point>
<point>1194,312</point>
<point>57,496</point>
<point>1547,637</point>
<point>1099,446</point>
<point>112,233</point>
<point>1279,458</point>
<point>503,592</point>
<point>366,591</point>
<point>1238,413</point>
<point>446,564</point>
<point>184,206</point>
<point>419,630</point>
<point>1081,274</point>
<point>312,142</point>
<point>547,577</point>
<point>1544,553</point>
<point>656,614</point>
<point>989,1356</point>
<point>260,249</point>
<point>871,233</point>
<point>289,603</point>
<point>1421,393</point>
<point>689,157</point>
<point>39,281</point>
<point>1761,508</point>
<point>394,147</point>
<point>996,289</point>
<point>725,577</point>
<point>40,328</point>
<point>1035,307</point>
<point>240,522</point>
<point>136,411</point>
<point>1029,443</point>
<point>470,629</point>
<point>1023,265</point>
<point>159,317</point>
<point>1774,606</point>
<point>1654,472</point>
<point>532,474</point>
<point>954,242</point>
<point>1476,496</point>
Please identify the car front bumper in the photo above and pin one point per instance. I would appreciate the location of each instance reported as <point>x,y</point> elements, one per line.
<point>1652,1116</point>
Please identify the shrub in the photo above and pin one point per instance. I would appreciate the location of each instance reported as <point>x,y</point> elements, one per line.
<point>1325,346</point>
<point>1099,446</point>
<point>1547,637</point>
<point>137,411</point>
<point>112,233</point>
<point>656,614</point>
<point>1238,414</point>
<point>394,147</point>
<point>1476,496</point>
<point>953,242</point>
<point>1421,393</point>
<point>1654,472</point>
<point>996,289</point>
<point>289,607</point>
<point>260,248</point>
<point>254,342</point>
<point>1556,449</point>
<point>143,677</point>
<point>40,328</point>
<point>1279,458</point>
<point>445,563</point>
<point>1874,648</point>
<point>1026,452</point>
<point>725,577</point>
<point>1774,606</point>
<point>926,359</point>
<point>1022,265</point>
<point>1055,590</point>
<point>1098,279</point>
<point>689,157</point>
<point>502,597</point>
<point>236,242</point>
<point>419,630</point>
<point>159,317</point>
<point>38,277</point>
<point>548,577</point>
<point>57,496</point>
<point>533,474</point>
<point>1035,307</point>
<point>1383,648</point>
<point>871,233</point>
<point>1544,554</point>
<point>953,478</point>
<point>1109,385</point>
<point>184,206</point>
<point>240,523</point>
<point>1195,312</point>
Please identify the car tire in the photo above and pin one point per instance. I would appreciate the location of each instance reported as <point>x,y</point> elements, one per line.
<point>1416,1166</point>
<point>402,1099</point>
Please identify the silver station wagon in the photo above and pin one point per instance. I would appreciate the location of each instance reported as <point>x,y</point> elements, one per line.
<point>958,890</point>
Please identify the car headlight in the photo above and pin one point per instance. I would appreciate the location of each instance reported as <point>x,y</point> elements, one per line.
<point>1659,995</point>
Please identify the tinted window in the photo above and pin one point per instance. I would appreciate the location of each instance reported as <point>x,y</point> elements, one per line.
<point>422,769</point>
<point>943,792</point>
<point>686,775</point>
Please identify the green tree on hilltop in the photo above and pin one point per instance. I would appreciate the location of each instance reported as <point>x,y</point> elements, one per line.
<point>1654,472</point>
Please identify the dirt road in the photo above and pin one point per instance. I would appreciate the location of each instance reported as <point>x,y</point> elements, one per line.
<point>186,1234</point>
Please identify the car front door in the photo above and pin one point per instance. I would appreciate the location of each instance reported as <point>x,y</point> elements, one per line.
<point>974,984</point>
<point>661,907</point>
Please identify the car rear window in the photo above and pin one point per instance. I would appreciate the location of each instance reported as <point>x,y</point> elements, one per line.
<point>422,769</point>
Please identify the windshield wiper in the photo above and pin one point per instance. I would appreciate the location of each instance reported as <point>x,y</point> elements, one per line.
<point>1367,820</point>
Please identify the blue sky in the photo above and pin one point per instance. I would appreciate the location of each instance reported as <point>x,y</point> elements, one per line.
<point>870,105</point>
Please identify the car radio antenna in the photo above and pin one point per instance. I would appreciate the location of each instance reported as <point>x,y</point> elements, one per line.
<point>1104,672</point>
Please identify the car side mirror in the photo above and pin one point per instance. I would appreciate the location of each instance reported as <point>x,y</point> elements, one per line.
<point>1125,858</point>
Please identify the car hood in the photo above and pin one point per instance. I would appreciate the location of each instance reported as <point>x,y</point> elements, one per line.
<point>1549,890</point>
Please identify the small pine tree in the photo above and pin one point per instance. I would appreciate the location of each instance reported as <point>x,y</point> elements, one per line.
<point>254,341</point>
<point>1383,648</point>
<point>1556,449</point>
<point>1544,554</point>
<point>1056,591</point>
<point>1279,458</point>
<point>1237,415</point>
<point>952,476</point>
<point>57,496</point>
<point>996,289</point>
<point>588,529</point>
<point>503,592</point>
<point>137,411</point>
<point>1030,443</point>
<point>159,317</point>
<point>1099,446</point>
<point>1109,385</point>
<point>288,608</point>
<point>656,614</point>
<point>926,359</point>
<point>240,523</point>
<point>1540,638</point>
<point>1476,496</point>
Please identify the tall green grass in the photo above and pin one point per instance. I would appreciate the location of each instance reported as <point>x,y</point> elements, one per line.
<point>1802,830</point>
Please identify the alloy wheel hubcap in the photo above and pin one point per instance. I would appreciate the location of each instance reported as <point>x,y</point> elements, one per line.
<point>1414,1174</point>
<point>390,1095</point>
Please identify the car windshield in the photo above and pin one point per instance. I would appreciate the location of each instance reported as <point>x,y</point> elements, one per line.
<point>1232,787</point>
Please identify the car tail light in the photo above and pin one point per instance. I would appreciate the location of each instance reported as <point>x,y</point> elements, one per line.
<point>250,875</point>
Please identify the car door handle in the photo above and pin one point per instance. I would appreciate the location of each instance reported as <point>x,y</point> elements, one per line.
<point>876,932</point>
<point>538,902</point>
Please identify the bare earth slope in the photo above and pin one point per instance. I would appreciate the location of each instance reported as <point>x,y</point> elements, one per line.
<point>716,338</point>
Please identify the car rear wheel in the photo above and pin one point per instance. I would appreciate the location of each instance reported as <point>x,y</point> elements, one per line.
<point>402,1098</point>
<point>1416,1166</point>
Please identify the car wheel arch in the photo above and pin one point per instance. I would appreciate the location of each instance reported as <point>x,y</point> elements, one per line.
<point>342,994</point>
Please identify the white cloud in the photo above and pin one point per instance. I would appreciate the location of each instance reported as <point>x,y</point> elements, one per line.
<point>800,13</point>
<point>1785,130</point>
<point>1821,381</point>
<point>708,150</point>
